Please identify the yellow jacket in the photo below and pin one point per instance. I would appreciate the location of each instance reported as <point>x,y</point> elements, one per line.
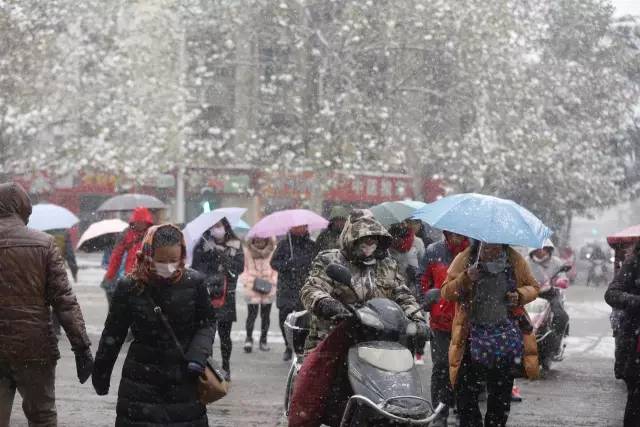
<point>458,286</point>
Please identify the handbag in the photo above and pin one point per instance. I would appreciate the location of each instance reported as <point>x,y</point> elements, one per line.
<point>211,384</point>
<point>496,345</point>
<point>262,286</point>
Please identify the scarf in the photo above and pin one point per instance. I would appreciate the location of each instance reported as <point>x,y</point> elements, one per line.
<point>143,273</point>
<point>405,243</point>
<point>460,247</point>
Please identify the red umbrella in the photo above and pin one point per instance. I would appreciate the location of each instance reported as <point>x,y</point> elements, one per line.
<point>628,235</point>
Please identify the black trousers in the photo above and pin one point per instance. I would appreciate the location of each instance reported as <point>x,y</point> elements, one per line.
<point>282,316</point>
<point>632,411</point>
<point>224,331</point>
<point>265,320</point>
<point>499,382</point>
<point>441,390</point>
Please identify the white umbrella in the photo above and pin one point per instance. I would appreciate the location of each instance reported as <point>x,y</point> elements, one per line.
<point>102,228</point>
<point>46,216</point>
<point>196,228</point>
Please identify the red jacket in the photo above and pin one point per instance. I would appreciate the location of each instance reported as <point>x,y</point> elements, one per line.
<point>438,257</point>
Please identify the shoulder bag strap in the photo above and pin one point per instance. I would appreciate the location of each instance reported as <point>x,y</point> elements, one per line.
<point>165,323</point>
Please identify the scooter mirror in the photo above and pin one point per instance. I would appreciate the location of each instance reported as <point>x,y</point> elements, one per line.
<point>339,273</point>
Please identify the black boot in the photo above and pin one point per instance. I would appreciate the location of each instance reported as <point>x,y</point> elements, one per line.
<point>248,345</point>
<point>287,355</point>
<point>227,370</point>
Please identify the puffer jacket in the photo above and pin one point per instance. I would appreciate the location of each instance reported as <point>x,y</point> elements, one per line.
<point>292,259</point>
<point>257,264</point>
<point>213,264</point>
<point>34,280</point>
<point>381,279</point>
<point>624,295</point>
<point>457,288</point>
<point>156,389</point>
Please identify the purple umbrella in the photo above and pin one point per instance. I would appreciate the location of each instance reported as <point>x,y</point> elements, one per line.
<point>279,223</point>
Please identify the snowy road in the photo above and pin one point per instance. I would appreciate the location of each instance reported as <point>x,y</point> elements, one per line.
<point>580,391</point>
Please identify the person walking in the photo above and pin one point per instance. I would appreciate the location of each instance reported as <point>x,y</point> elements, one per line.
<point>407,250</point>
<point>159,383</point>
<point>259,281</point>
<point>624,294</point>
<point>490,284</point>
<point>435,264</point>
<point>63,242</point>
<point>218,255</point>
<point>31,262</point>
<point>328,238</point>
<point>292,260</point>
<point>123,257</point>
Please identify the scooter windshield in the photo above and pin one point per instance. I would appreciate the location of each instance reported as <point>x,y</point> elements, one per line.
<point>392,360</point>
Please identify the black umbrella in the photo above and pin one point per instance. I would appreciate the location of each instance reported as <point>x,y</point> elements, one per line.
<point>128,202</point>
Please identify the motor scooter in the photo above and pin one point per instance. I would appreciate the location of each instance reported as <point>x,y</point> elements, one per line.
<point>383,384</point>
<point>539,310</point>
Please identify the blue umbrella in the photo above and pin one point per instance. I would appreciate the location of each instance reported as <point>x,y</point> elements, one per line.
<point>240,227</point>
<point>46,216</point>
<point>485,218</point>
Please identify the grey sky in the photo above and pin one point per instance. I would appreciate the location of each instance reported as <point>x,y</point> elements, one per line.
<point>627,7</point>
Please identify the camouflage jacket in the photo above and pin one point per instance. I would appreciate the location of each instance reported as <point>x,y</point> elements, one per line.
<point>380,279</point>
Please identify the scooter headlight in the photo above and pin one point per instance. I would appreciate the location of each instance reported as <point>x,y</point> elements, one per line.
<point>370,319</point>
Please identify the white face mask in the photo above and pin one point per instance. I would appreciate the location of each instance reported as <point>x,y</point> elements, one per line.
<point>218,232</point>
<point>165,270</point>
<point>367,250</point>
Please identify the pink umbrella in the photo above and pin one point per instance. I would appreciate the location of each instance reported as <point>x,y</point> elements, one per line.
<point>279,223</point>
<point>628,235</point>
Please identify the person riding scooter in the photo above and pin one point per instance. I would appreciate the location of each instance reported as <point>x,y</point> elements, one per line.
<point>364,245</point>
<point>544,265</point>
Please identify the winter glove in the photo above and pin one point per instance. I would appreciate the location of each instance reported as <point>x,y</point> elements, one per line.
<point>422,332</point>
<point>331,309</point>
<point>100,385</point>
<point>84,365</point>
<point>195,369</point>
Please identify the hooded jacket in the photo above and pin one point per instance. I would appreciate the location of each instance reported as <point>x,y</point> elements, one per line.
<point>381,279</point>
<point>33,280</point>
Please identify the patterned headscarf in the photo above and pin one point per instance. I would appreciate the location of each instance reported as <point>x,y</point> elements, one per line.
<point>143,272</point>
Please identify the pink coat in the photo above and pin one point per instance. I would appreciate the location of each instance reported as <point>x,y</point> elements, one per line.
<point>258,267</point>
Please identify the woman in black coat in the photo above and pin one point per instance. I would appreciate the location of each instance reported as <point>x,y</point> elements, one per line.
<point>159,383</point>
<point>292,260</point>
<point>624,294</point>
<point>219,256</point>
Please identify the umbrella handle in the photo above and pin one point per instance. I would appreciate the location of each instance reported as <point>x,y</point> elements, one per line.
<point>290,246</point>
<point>478,255</point>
